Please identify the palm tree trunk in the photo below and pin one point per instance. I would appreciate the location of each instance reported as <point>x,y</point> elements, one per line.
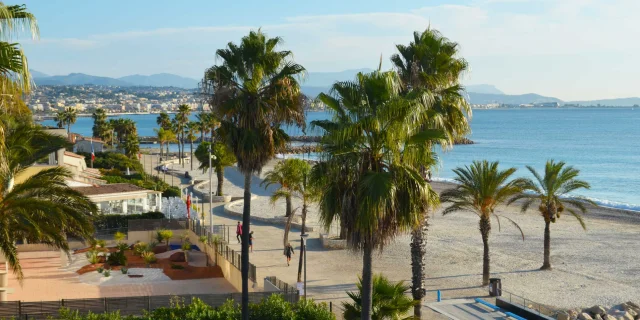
<point>201,136</point>
<point>167,155</point>
<point>367,281</point>
<point>343,230</point>
<point>191,151</point>
<point>161,148</point>
<point>547,246</point>
<point>246,222</point>
<point>288,208</point>
<point>485,230</point>
<point>418,253</point>
<point>304,218</point>
<point>220,175</point>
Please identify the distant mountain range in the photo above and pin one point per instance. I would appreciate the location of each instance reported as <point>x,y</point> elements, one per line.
<point>315,83</point>
<point>154,80</point>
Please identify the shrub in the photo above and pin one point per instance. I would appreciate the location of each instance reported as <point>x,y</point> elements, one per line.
<point>100,269</point>
<point>124,270</point>
<point>203,239</point>
<point>119,236</point>
<point>113,160</point>
<point>122,246</point>
<point>171,192</point>
<point>186,246</point>
<point>177,266</point>
<point>101,243</point>
<point>107,273</point>
<point>140,248</point>
<point>117,258</point>
<point>164,235</point>
<point>92,256</point>
<point>149,257</point>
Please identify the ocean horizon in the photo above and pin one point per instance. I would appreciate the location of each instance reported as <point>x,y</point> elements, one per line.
<point>603,143</point>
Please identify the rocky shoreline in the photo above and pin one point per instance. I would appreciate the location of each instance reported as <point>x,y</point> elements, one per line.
<point>625,311</point>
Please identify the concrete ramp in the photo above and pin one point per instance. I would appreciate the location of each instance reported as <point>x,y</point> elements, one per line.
<point>466,309</point>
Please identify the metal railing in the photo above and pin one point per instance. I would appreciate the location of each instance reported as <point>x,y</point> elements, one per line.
<point>135,305</point>
<point>222,232</point>
<point>283,286</point>
<point>527,303</point>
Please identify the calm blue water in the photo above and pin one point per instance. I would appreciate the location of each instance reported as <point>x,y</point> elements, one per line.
<point>603,143</point>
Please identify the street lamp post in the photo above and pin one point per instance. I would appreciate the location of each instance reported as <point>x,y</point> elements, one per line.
<point>210,191</point>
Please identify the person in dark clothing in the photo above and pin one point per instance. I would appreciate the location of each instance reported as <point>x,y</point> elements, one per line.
<point>288,251</point>
<point>239,232</point>
<point>251,241</point>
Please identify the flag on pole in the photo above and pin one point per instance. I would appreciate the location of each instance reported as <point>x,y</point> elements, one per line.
<point>188,206</point>
<point>93,154</point>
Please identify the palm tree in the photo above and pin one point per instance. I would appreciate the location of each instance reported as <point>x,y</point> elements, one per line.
<point>480,188</point>
<point>192,130</point>
<point>205,125</point>
<point>15,78</point>
<point>42,208</point>
<point>371,149</point>
<point>223,157</point>
<point>101,127</point>
<point>285,175</point>
<point>551,193</point>
<point>389,300</point>
<point>431,62</point>
<point>255,90</point>
<point>70,117</point>
<point>181,119</point>
<point>60,119</point>
<point>164,121</point>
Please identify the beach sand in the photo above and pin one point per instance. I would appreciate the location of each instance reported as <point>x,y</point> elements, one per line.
<point>596,266</point>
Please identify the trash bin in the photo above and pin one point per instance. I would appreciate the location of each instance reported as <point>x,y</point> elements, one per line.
<point>495,287</point>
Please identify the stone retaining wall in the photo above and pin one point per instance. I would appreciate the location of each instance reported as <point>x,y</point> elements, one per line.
<point>332,244</point>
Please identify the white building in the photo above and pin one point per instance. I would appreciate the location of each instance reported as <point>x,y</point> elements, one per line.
<point>122,198</point>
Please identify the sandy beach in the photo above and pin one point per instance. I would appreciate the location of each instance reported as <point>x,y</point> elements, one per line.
<point>597,266</point>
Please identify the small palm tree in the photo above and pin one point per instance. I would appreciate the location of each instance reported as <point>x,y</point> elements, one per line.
<point>60,119</point>
<point>480,188</point>
<point>164,121</point>
<point>285,175</point>
<point>181,120</point>
<point>550,193</point>
<point>389,300</point>
<point>70,117</point>
<point>222,157</point>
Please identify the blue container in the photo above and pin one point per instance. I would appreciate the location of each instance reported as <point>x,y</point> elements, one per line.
<point>178,246</point>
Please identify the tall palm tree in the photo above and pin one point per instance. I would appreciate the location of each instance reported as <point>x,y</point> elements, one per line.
<point>101,127</point>
<point>205,125</point>
<point>223,157</point>
<point>371,151</point>
<point>181,119</point>
<point>70,117</point>
<point>15,78</point>
<point>480,188</point>
<point>42,208</point>
<point>254,91</point>
<point>431,62</point>
<point>192,130</point>
<point>389,300</point>
<point>551,193</point>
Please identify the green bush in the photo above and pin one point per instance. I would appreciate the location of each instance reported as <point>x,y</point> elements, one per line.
<point>177,266</point>
<point>100,269</point>
<point>122,246</point>
<point>171,192</point>
<point>140,248</point>
<point>92,256</point>
<point>113,160</point>
<point>107,273</point>
<point>124,270</point>
<point>272,308</point>
<point>117,258</point>
<point>164,235</point>
<point>149,257</point>
<point>186,246</point>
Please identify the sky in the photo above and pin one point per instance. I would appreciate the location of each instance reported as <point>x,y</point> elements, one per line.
<point>569,49</point>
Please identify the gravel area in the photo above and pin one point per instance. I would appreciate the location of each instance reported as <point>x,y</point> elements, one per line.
<point>149,275</point>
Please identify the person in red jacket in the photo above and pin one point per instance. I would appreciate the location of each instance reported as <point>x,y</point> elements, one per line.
<point>239,232</point>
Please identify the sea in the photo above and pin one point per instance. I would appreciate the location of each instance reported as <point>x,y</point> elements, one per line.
<point>604,143</point>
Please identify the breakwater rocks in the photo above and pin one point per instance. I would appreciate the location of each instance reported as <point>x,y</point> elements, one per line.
<point>305,138</point>
<point>460,141</point>
<point>625,311</point>
<point>302,149</point>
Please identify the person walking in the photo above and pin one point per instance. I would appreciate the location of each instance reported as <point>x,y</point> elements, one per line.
<point>288,251</point>
<point>251,241</point>
<point>239,232</point>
